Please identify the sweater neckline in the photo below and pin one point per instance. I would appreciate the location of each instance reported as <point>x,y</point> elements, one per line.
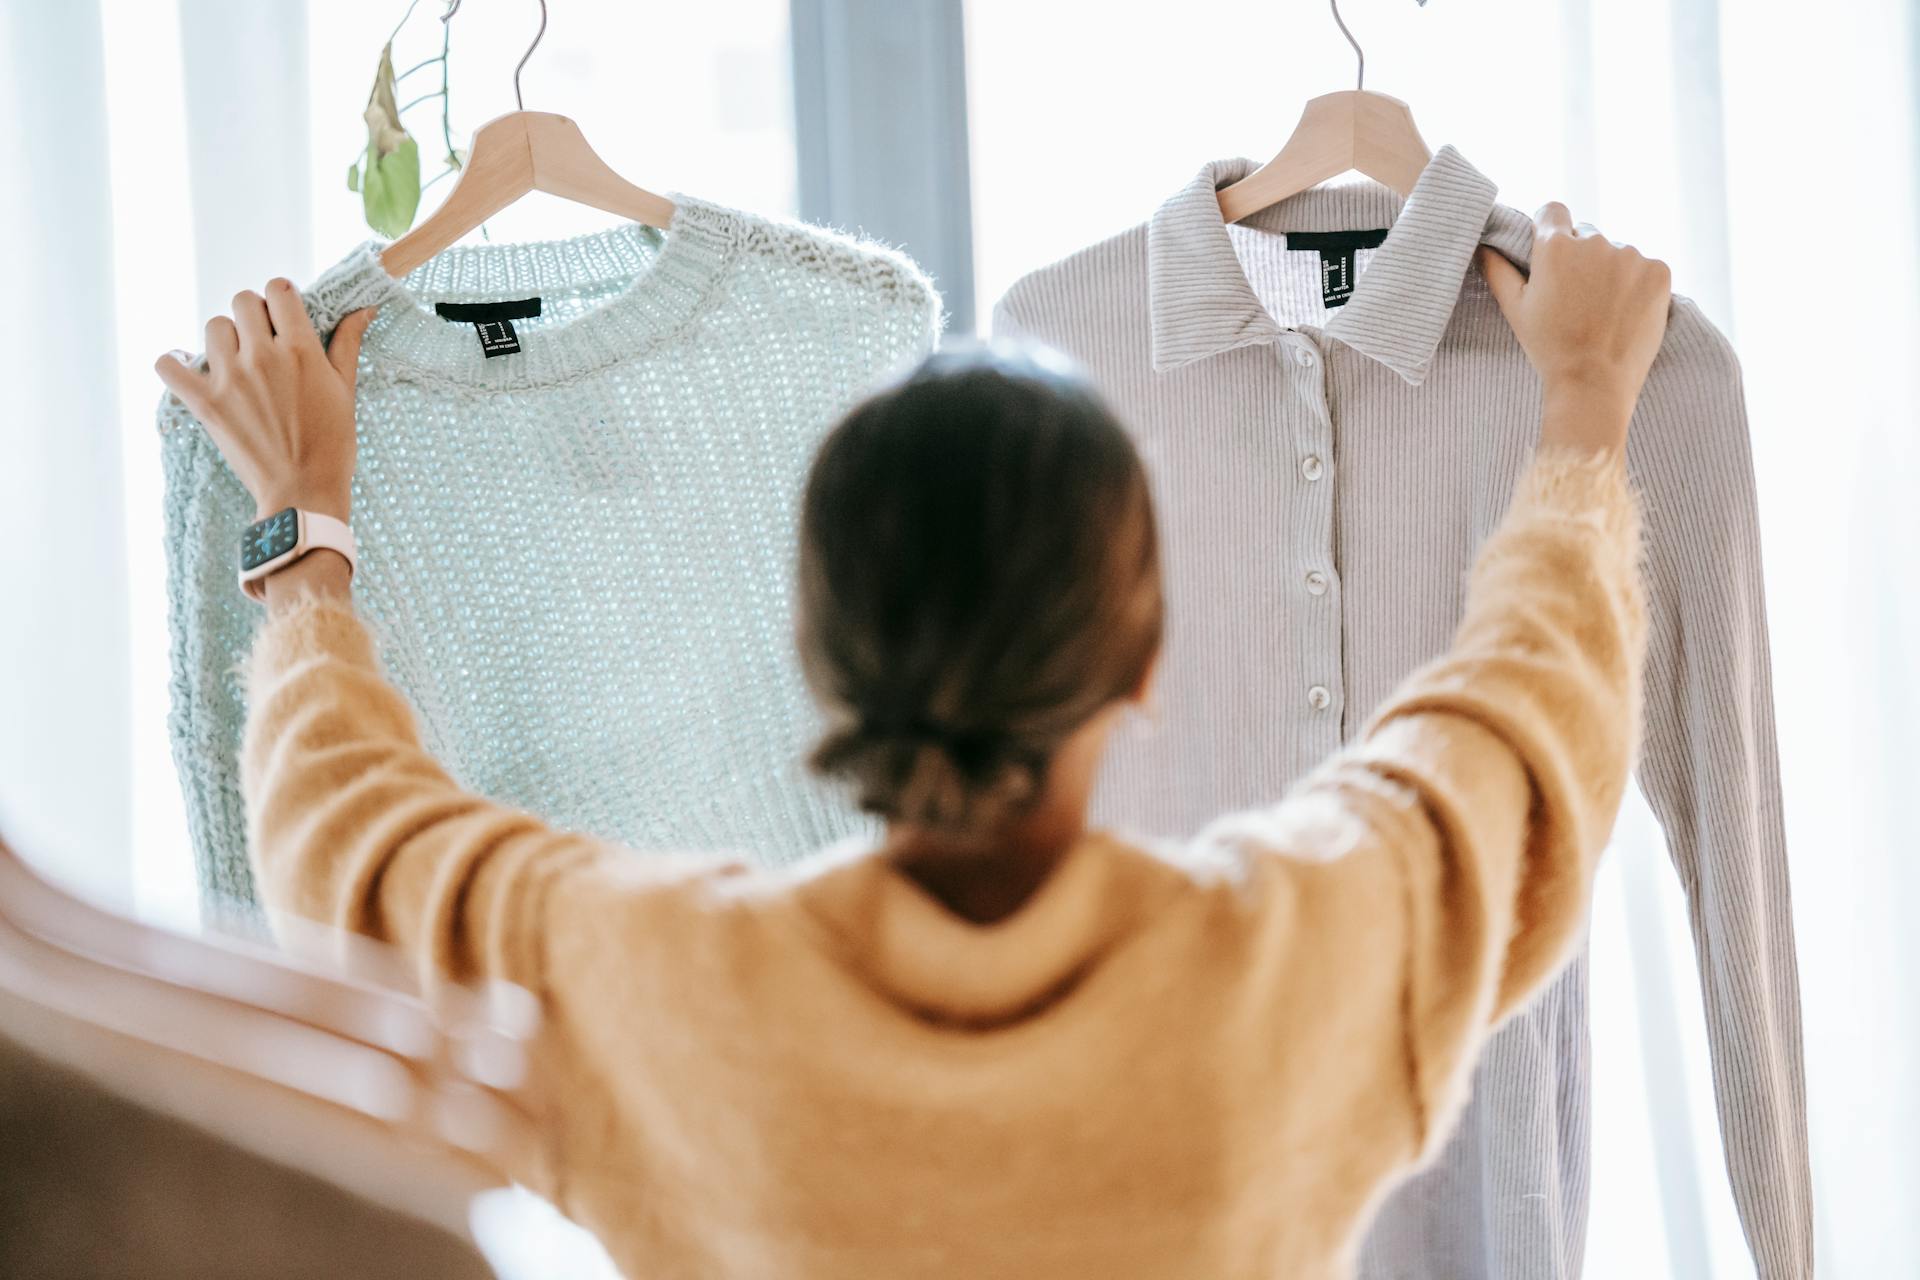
<point>655,283</point>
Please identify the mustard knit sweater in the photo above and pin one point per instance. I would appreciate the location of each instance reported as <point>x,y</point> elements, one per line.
<point>1207,1059</point>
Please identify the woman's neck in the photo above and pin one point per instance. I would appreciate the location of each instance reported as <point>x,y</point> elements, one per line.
<point>987,877</point>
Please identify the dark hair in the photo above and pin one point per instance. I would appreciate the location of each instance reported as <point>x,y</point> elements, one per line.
<point>979,575</point>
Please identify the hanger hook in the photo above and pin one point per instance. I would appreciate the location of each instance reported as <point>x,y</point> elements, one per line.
<point>453,7</point>
<point>1358,52</point>
<point>538,36</point>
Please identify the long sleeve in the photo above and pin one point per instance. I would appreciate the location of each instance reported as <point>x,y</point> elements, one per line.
<point>1474,807</point>
<point>1712,778</point>
<point>352,823</point>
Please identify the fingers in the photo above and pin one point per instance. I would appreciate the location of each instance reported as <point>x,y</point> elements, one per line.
<point>343,349</point>
<point>223,343</point>
<point>1553,218</point>
<point>185,381</point>
<point>291,325</point>
<point>250,318</point>
<point>1503,278</point>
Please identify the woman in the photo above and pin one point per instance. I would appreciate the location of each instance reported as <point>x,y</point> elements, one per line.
<point>995,1043</point>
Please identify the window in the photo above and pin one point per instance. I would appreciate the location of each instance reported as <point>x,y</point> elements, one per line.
<point>137,127</point>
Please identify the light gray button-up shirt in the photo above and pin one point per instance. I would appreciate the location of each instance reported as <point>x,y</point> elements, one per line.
<point>1323,477</point>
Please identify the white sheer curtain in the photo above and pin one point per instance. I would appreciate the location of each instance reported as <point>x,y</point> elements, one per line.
<point>65,758</point>
<point>105,182</point>
<point>1773,157</point>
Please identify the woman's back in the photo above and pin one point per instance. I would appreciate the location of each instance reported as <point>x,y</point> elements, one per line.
<point>835,1077</point>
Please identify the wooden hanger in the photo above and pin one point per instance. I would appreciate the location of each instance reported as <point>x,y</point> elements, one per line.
<point>1351,129</point>
<point>516,153</point>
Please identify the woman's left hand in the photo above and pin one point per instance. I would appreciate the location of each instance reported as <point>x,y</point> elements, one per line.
<point>277,403</point>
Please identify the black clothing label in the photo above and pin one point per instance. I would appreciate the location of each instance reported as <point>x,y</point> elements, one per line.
<point>1336,250</point>
<point>493,321</point>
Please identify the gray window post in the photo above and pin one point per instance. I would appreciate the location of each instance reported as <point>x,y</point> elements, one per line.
<point>880,122</point>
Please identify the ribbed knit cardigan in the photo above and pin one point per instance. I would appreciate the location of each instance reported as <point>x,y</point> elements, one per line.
<point>1204,1059</point>
<point>577,556</point>
<point>1322,477</point>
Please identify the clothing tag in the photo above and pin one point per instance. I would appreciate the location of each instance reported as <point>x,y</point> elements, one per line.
<point>493,321</point>
<point>1336,249</point>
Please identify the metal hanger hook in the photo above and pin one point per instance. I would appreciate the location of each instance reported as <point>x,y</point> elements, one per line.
<point>1360,82</point>
<point>538,36</point>
<point>453,7</point>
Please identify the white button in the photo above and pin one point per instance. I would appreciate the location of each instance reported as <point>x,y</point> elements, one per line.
<point>1319,697</point>
<point>1310,466</point>
<point>1316,583</point>
<point>1303,356</point>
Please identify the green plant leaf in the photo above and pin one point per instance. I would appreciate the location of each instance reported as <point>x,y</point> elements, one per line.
<point>353,176</point>
<point>390,190</point>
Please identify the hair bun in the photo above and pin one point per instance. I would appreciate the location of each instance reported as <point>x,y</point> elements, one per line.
<point>910,729</point>
<point>918,771</point>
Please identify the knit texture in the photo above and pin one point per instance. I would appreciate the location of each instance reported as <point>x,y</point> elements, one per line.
<point>1322,477</point>
<point>577,556</point>
<point>1205,1058</point>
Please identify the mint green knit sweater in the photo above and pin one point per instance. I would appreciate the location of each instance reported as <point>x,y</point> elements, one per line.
<point>576,556</point>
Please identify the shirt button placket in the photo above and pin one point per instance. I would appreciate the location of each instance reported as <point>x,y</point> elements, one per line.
<point>1320,637</point>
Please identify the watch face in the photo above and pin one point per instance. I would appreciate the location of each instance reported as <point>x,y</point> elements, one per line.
<point>272,537</point>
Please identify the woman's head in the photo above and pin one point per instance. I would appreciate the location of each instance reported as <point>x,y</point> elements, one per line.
<point>979,577</point>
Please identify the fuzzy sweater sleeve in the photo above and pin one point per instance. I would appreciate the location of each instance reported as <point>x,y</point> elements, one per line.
<point>352,823</point>
<point>1439,869</point>
<point>1544,677</point>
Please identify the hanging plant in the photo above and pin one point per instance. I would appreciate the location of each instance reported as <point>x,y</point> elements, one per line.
<point>386,175</point>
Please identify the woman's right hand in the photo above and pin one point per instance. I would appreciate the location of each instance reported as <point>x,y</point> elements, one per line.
<point>1590,317</point>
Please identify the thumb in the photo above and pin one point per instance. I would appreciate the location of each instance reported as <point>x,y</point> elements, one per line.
<point>343,349</point>
<point>1503,278</point>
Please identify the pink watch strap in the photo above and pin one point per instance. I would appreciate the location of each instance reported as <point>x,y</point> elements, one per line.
<point>317,531</point>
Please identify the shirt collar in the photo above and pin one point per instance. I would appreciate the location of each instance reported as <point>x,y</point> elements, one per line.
<point>1202,304</point>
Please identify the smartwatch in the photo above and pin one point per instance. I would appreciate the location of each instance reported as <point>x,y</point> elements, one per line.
<point>272,544</point>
